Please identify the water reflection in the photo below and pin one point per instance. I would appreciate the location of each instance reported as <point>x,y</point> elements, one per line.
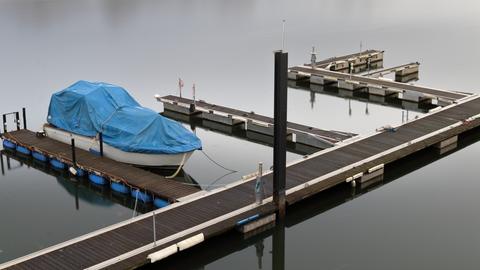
<point>330,90</point>
<point>81,189</point>
<point>214,253</point>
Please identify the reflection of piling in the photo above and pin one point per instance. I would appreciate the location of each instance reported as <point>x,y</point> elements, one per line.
<point>278,245</point>
<point>1,162</point>
<point>77,205</point>
<point>259,247</point>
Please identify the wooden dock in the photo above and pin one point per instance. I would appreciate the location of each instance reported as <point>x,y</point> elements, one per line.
<point>182,225</point>
<point>238,132</point>
<point>400,71</point>
<point>137,178</point>
<point>296,133</point>
<point>375,86</point>
<point>342,63</point>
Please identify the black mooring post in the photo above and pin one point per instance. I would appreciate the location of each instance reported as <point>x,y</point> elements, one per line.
<point>24,112</point>
<point>280,131</point>
<point>101,143</point>
<point>74,156</point>
<point>4,117</point>
<point>17,120</point>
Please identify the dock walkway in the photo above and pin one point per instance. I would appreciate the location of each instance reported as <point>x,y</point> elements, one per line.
<point>143,180</point>
<point>182,225</point>
<point>378,86</point>
<point>255,122</point>
<point>356,59</point>
<point>400,71</point>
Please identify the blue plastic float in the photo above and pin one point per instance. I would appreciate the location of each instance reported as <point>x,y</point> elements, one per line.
<point>119,187</point>
<point>9,144</point>
<point>80,172</point>
<point>23,150</point>
<point>142,196</point>
<point>57,164</point>
<point>39,156</point>
<point>97,179</point>
<point>159,203</point>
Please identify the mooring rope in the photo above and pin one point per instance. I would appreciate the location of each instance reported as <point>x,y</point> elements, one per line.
<point>179,167</point>
<point>136,201</point>
<point>213,184</point>
<point>218,164</point>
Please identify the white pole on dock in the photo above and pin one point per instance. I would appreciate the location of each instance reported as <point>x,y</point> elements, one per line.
<point>313,58</point>
<point>180,86</point>
<point>259,193</point>
<point>193,89</point>
<point>283,35</point>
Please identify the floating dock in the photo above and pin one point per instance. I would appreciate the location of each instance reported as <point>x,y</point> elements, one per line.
<point>166,231</point>
<point>372,81</point>
<point>146,182</point>
<point>342,63</point>
<point>237,132</point>
<point>400,71</point>
<point>296,133</point>
<point>375,86</point>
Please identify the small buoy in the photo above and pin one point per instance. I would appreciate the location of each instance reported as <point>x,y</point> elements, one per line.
<point>72,170</point>
<point>80,172</point>
<point>97,179</point>
<point>9,144</point>
<point>119,187</point>
<point>39,156</point>
<point>57,164</point>
<point>159,203</point>
<point>23,150</point>
<point>76,171</point>
<point>142,196</point>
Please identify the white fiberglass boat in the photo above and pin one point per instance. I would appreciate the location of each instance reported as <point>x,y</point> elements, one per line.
<point>92,144</point>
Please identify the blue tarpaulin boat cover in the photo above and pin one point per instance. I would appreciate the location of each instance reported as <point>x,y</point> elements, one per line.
<point>88,108</point>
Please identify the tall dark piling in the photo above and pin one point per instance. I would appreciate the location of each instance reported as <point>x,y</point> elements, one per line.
<point>280,131</point>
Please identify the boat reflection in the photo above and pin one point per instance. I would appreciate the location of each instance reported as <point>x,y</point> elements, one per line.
<point>81,189</point>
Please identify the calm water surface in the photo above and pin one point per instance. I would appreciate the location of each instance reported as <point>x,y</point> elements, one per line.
<point>425,216</point>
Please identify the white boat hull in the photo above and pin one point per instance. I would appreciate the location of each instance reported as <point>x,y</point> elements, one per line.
<point>138,159</point>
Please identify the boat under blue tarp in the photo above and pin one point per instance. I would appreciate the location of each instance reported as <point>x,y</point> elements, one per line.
<point>88,108</point>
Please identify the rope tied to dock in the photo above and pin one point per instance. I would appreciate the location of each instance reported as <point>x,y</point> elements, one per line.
<point>216,163</point>
<point>179,167</point>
